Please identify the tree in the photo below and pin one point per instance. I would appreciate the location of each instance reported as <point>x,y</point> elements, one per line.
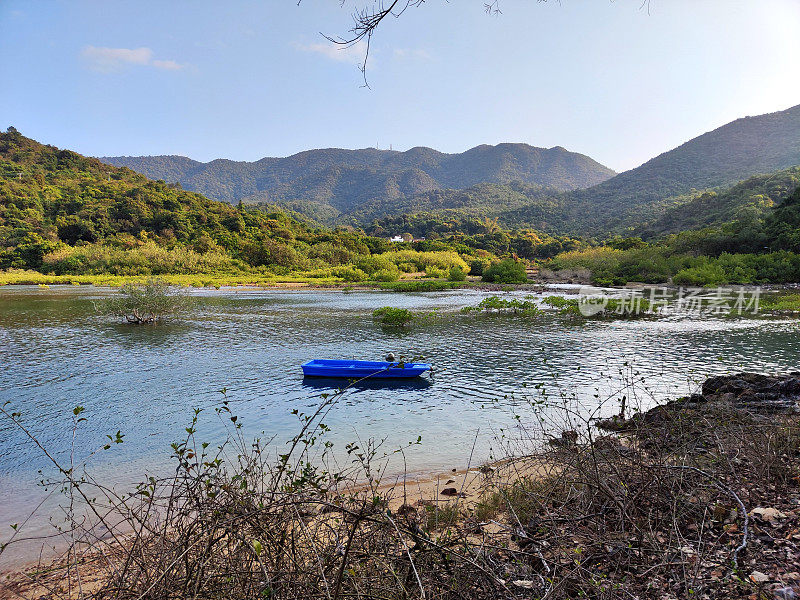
<point>367,19</point>
<point>148,302</point>
<point>506,271</point>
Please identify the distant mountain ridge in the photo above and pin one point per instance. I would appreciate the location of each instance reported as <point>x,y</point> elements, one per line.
<point>519,185</point>
<point>724,156</point>
<point>333,182</point>
<point>635,199</point>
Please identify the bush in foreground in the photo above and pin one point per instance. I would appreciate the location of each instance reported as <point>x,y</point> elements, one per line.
<point>692,500</point>
<point>456,274</point>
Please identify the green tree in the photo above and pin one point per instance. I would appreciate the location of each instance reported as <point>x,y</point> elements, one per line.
<point>148,302</point>
<point>506,271</point>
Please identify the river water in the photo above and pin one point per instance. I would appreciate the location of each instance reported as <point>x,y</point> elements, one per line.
<point>57,352</point>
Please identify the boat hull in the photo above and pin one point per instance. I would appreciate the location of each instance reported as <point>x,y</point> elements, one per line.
<point>358,369</point>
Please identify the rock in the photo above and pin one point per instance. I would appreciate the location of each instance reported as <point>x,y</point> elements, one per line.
<point>607,442</point>
<point>451,491</point>
<point>406,509</point>
<point>791,386</point>
<point>767,514</point>
<point>567,440</point>
<point>695,399</point>
<point>525,584</point>
<point>786,593</point>
<point>751,392</point>
<point>754,391</point>
<point>759,577</point>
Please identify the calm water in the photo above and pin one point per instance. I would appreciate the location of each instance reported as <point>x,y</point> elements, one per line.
<point>56,353</point>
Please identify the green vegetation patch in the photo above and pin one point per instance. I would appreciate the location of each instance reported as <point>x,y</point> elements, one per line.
<point>505,305</point>
<point>506,271</point>
<point>389,316</point>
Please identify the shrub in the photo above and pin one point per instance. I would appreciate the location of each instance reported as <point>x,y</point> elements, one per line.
<point>407,267</point>
<point>148,302</point>
<point>441,259</point>
<point>372,264</point>
<point>146,259</point>
<point>478,266</point>
<point>435,272</point>
<point>457,274</point>
<point>707,274</point>
<point>349,273</point>
<point>390,316</point>
<point>419,286</point>
<point>495,304</point>
<point>561,302</point>
<point>594,259</point>
<point>506,271</point>
<point>392,274</point>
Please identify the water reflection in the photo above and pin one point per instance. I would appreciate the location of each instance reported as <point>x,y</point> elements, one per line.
<point>334,384</point>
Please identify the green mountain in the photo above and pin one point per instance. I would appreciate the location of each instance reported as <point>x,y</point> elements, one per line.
<point>749,200</point>
<point>442,210</point>
<point>332,185</point>
<point>724,156</point>
<point>66,214</point>
<point>58,200</point>
<point>664,195</point>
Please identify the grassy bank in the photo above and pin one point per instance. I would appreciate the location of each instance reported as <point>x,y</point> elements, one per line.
<point>217,280</point>
<point>608,266</point>
<point>28,277</point>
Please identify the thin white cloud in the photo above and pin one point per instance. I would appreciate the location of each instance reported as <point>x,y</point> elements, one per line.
<point>167,65</point>
<point>109,60</point>
<point>353,54</point>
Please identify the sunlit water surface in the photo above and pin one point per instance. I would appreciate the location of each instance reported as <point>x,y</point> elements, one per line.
<point>57,352</point>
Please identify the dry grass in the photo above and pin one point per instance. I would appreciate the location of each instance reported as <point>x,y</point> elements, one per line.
<point>663,510</point>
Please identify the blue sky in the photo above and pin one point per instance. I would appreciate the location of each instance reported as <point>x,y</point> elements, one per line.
<point>244,80</point>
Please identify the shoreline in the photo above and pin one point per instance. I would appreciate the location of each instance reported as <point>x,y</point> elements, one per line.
<point>482,505</point>
<point>256,283</point>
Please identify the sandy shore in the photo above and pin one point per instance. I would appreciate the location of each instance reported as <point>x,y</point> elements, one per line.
<point>39,578</point>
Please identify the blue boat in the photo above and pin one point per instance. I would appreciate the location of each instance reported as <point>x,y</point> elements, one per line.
<point>357,369</point>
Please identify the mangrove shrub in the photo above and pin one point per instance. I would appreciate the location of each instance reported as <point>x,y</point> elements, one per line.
<point>148,302</point>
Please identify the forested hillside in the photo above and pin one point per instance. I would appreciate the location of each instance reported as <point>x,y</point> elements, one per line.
<point>63,213</point>
<point>724,156</point>
<point>747,201</point>
<point>335,185</point>
<point>436,211</point>
<point>52,198</point>
<point>665,195</point>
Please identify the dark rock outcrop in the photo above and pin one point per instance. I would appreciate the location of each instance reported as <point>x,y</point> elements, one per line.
<point>754,391</point>
<point>749,392</point>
